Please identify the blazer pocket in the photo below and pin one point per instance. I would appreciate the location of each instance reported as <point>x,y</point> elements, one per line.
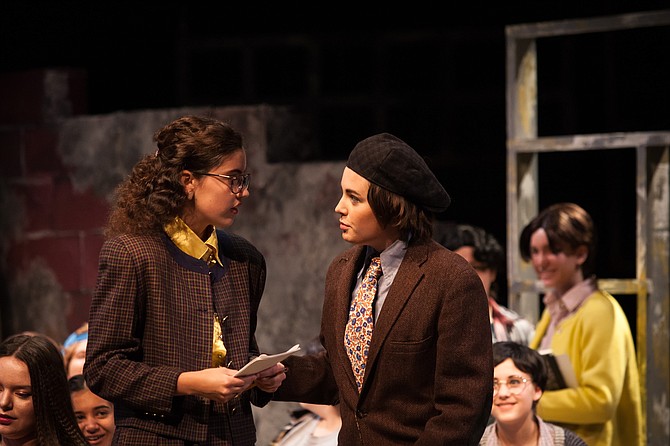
<point>411,346</point>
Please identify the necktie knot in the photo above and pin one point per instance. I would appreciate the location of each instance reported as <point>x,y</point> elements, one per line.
<point>375,268</point>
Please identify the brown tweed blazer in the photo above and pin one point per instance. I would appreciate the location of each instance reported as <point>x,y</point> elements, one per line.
<point>429,375</point>
<point>151,319</point>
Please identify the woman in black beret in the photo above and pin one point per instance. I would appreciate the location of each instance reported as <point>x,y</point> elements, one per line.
<point>405,321</point>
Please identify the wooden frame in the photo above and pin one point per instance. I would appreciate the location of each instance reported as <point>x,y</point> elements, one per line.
<point>650,286</point>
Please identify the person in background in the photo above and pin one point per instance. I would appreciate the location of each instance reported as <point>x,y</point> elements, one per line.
<point>405,320</point>
<point>484,253</point>
<point>174,312</point>
<point>74,351</point>
<point>35,406</point>
<point>57,344</point>
<point>588,325</point>
<point>94,415</point>
<point>519,379</point>
<point>314,424</point>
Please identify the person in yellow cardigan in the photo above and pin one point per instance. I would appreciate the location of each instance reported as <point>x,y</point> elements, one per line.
<point>587,324</point>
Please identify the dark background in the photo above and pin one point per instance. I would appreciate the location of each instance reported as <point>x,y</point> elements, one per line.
<point>434,76</point>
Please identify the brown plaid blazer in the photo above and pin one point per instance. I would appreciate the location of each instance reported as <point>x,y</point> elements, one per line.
<point>151,319</point>
<point>429,375</point>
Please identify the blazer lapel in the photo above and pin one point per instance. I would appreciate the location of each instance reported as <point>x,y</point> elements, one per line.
<point>228,294</point>
<point>404,284</point>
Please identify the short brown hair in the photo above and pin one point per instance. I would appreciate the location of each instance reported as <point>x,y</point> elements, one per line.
<point>395,210</point>
<point>568,226</point>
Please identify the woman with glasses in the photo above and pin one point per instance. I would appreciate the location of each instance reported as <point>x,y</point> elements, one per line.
<point>519,379</point>
<point>173,315</point>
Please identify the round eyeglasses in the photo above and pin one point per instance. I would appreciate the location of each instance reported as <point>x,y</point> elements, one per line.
<point>236,183</point>
<point>515,385</point>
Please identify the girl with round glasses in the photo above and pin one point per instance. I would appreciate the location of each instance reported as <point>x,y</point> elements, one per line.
<point>519,379</point>
<point>174,312</point>
<point>515,384</point>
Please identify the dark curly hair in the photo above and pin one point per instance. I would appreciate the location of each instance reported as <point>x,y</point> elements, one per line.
<point>153,195</point>
<point>55,423</point>
<point>486,248</point>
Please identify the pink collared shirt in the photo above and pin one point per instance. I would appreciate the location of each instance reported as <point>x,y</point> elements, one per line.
<point>561,307</point>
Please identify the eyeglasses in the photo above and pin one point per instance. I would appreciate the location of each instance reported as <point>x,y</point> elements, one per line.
<point>515,385</point>
<point>236,183</point>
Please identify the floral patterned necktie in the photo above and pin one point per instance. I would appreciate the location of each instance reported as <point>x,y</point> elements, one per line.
<point>358,331</point>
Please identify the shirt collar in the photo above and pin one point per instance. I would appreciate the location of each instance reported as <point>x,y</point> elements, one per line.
<point>391,258</point>
<point>559,307</point>
<point>188,241</point>
<point>546,433</point>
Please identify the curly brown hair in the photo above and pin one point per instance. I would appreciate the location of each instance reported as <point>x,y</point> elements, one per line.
<point>153,194</point>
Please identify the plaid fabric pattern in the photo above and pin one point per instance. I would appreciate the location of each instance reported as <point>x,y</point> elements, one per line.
<point>151,320</point>
<point>358,333</point>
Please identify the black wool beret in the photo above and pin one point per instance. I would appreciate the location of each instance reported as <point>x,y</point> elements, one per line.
<point>389,162</point>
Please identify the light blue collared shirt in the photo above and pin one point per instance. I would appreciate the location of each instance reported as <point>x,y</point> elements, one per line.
<point>391,260</point>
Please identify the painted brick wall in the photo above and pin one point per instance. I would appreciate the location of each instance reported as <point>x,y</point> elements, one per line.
<point>51,232</point>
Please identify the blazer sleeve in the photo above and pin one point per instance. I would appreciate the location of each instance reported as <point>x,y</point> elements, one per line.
<point>114,366</point>
<point>464,363</point>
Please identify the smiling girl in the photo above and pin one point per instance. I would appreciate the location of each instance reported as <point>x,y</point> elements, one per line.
<point>588,324</point>
<point>94,415</point>
<point>519,379</point>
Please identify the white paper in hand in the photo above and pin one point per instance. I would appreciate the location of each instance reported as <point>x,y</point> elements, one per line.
<point>264,361</point>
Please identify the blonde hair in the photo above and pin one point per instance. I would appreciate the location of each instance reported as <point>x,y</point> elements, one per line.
<point>70,344</point>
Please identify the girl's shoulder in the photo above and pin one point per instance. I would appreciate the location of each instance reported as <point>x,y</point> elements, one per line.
<point>602,303</point>
<point>570,438</point>
<point>238,248</point>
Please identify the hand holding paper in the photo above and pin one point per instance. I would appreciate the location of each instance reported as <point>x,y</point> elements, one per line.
<point>264,361</point>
